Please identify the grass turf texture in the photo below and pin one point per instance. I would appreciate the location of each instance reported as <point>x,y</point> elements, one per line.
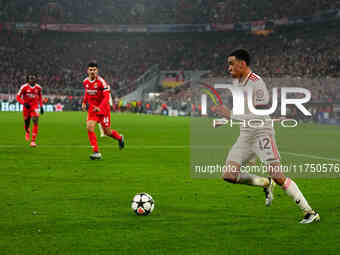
<point>54,200</point>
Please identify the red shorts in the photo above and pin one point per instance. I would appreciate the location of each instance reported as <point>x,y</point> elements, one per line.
<point>103,119</point>
<point>32,112</point>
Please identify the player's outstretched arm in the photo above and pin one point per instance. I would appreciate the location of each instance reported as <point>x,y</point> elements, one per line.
<point>222,111</point>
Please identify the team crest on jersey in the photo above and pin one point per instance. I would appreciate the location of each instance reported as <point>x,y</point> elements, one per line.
<point>95,85</point>
<point>259,93</point>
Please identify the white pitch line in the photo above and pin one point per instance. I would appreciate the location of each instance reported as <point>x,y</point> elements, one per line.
<point>160,147</point>
<point>103,146</point>
<point>310,156</point>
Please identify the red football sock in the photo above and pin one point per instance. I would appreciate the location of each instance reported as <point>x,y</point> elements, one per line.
<point>115,135</point>
<point>34,132</point>
<point>93,140</point>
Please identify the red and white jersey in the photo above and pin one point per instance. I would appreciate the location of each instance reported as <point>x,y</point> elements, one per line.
<point>260,96</point>
<point>97,93</point>
<point>29,94</point>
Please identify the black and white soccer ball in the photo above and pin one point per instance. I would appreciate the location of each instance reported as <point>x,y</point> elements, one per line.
<point>142,204</point>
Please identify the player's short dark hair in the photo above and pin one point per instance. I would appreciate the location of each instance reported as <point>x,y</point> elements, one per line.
<point>241,54</point>
<point>29,74</point>
<point>92,64</point>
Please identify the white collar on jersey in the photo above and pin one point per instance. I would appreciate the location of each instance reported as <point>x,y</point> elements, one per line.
<point>92,80</point>
<point>244,82</point>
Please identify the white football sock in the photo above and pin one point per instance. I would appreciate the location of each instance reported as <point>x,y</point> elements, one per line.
<point>293,191</point>
<point>253,180</point>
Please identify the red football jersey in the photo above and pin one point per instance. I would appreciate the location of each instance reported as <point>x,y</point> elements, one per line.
<point>29,94</point>
<point>97,93</point>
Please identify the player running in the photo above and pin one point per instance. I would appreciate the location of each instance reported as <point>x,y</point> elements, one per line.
<point>97,96</point>
<point>258,140</point>
<point>30,96</point>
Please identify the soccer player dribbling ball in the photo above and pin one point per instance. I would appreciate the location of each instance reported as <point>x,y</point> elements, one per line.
<point>258,141</point>
<point>30,96</point>
<point>97,97</point>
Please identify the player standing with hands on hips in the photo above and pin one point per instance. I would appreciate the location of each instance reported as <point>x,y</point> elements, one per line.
<point>97,97</point>
<point>31,97</point>
<point>259,140</point>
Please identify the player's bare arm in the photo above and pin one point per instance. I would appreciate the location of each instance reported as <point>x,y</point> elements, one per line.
<point>222,111</point>
<point>83,107</point>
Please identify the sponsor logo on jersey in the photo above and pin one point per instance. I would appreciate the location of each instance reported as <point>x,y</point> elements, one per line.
<point>91,91</point>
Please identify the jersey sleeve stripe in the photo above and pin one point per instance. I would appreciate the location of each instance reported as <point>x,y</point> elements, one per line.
<point>102,80</point>
<point>105,85</point>
<point>253,77</point>
<point>21,88</point>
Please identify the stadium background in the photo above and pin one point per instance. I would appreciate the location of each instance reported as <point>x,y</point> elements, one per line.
<point>127,38</point>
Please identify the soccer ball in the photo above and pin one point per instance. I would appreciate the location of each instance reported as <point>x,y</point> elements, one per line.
<point>142,204</point>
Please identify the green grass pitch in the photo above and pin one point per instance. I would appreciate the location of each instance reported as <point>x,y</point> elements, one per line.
<point>54,200</point>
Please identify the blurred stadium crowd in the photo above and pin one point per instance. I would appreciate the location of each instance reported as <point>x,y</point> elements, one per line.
<point>61,59</point>
<point>157,11</point>
<point>305,56</point>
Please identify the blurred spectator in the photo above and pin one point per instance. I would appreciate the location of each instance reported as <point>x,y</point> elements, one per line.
<point>61,58</point>
<point>157,11</point>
